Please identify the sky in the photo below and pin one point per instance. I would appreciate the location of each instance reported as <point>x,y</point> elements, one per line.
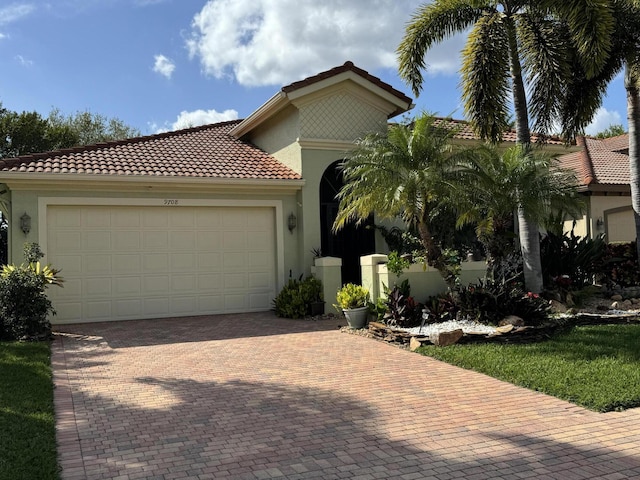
<point>162,65</point>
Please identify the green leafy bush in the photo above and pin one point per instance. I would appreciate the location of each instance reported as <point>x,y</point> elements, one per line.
<point>24,306</point>
<point>396,263</point>
<point>352,296</point>
<point>295,299</point>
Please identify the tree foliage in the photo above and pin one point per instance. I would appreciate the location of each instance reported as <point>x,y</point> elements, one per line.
<point>28,132</point>
<point>611,131</point>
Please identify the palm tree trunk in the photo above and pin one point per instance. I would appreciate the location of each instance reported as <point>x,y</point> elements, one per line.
<point>528,232</point>
<point>633,118</point>
<point>435,257</point>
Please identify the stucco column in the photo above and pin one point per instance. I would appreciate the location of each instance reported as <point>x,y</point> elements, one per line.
<point>329,271</point>
<point>369,268</point>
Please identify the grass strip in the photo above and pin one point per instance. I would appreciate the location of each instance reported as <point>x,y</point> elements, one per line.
<point>597,367</point>
<point>27,421</point>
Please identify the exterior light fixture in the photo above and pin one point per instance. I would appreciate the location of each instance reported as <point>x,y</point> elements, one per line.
<point>292,222</point>
<point>600,224</point>
<point>25,223</point>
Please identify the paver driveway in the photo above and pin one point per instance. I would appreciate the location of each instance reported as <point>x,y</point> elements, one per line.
<point>257,397</point>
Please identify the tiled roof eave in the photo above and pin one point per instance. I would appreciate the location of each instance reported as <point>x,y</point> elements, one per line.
<point>31,180</point>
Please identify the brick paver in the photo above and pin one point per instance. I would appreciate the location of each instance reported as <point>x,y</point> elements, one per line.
<point>258,397</point>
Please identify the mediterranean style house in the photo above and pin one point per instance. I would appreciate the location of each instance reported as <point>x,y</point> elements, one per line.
<point>212,219</point>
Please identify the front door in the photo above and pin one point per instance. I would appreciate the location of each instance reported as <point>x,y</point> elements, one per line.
<point>351,242</point>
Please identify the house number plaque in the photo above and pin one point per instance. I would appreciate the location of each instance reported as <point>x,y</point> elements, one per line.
<point>170,201</point>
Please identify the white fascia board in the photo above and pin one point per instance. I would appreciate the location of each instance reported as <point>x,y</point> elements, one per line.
<point>268,109</point>
<point>344,76</point>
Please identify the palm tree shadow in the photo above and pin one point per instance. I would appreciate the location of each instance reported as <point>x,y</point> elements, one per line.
<point>250,429</point>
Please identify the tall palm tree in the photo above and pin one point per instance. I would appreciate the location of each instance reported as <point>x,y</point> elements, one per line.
<point>514,46</point>
<point>402,173</point>
<point>490,185</point>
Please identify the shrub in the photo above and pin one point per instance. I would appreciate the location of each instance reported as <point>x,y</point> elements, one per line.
<point>352,296</point>
<point>567,256</point>
<point>401,308</point>
<point>490,301</point>
<point>396,263</point>
<point>620,265</point>
<point>24,306</point>
<point>441,308</point>
<point>295,299</point>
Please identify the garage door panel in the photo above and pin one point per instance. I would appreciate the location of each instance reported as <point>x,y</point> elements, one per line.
<point>98,310</point>
<point>155,262</point>
<point>155,240</point>
<point>96,218</point>
<point>125,262</point>
<point>156,306</point>
<point>182,241</point>
<point>95,264</point>
<point>183,283</point>
<point>155,285</point>
<point>97,287</point>
<point>125,217</point>
<point>211,282</point>
<point>127,286</point>
<point>181,262</point>
<point>128,308</point>
<point>126,240</point>
<point>234,241</point>
<point>180,218</point>
<point>65,242</point>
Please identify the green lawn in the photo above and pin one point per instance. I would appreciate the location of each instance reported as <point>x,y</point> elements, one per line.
<point>597,367</point>
<point>27,424</point>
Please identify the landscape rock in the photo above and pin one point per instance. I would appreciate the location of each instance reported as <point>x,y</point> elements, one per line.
<point>635,300</point>
<point>511,320</point>
<point>614,306</point>
<point>627,303</point>
<point>415,343</point>
<point>444,339</point>
<point>505,328</point>
<point>557,307</point>
<point>616,297</point>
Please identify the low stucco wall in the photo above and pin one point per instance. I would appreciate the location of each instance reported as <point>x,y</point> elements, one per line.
<point>424,282</point>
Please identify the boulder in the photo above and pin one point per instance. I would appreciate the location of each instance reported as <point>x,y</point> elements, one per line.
<point>511,320</point>
<point>505,328</point>
<point>444,339</point>
<point>415,343</point>
<point>616,297</point>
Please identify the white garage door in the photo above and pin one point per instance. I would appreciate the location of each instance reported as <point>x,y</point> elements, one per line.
<point>144,262</point>
<point>621,226</point>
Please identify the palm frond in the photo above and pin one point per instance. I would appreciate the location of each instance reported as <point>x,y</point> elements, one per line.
<point>485,77</point>
<point>430,24</point>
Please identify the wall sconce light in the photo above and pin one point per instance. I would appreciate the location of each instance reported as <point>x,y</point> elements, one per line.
<point>292,222</point>
<point>600,224</point>
<point>25,223</point>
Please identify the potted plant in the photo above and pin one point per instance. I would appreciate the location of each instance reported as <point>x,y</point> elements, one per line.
<point>353,301</point>
<point>311,289</point>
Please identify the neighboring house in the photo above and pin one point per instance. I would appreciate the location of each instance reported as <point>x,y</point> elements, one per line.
<point>206,220</point>
<point>602,169</point>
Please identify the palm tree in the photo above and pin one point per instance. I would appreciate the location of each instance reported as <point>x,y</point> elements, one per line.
<point>513,43</point>
<point>402,173</point>
<point>490,185</point>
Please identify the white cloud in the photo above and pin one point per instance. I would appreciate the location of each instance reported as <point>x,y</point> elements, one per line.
<point>274,42</point>
<point>602,120</point>
<point>25,62</point>
<point>194,119</point>
<point>2,35</point>
<point>14,12</point>
<point>164,66</point>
